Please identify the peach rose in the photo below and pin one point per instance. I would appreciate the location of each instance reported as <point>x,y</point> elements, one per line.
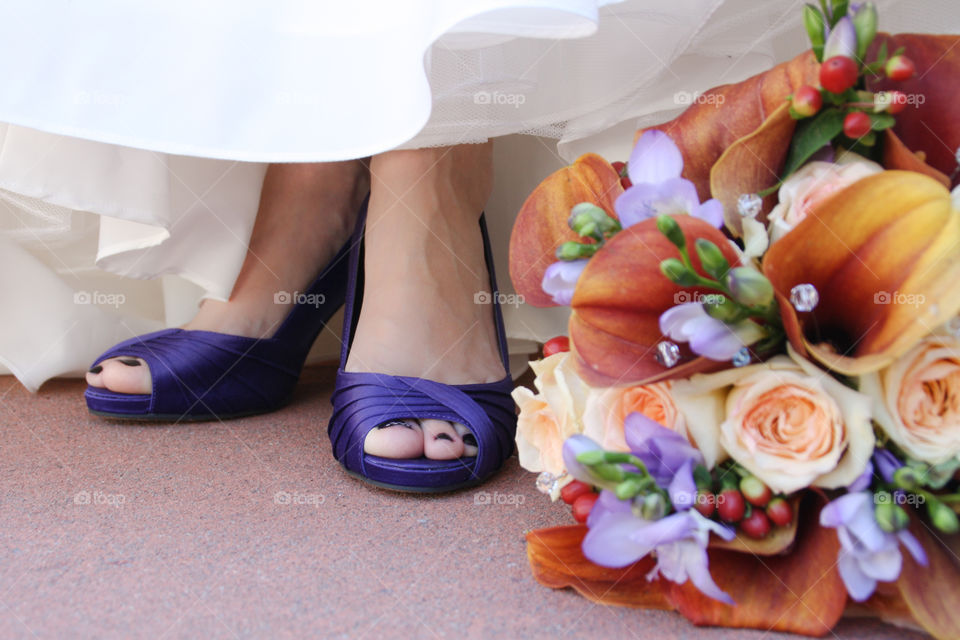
<point>813,184</point>
<point>787,422</point>
<point>550,416</point>
<point>607,408</point>
<point>917,399</point>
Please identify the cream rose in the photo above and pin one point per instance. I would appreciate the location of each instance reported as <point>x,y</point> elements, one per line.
<point>813,184</point>
<point>607,408</point>
<point>787,422</point>
<point>550,416</point>
<point>917,399</point>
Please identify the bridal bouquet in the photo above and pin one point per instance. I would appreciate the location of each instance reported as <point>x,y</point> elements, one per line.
<point>756,413</point>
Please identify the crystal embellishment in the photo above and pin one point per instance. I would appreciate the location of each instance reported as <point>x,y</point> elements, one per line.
<point>546,482</point>
<point>742,358</point>
<point>749,205</point>
<point>668,353</point>
<point>804,297</point>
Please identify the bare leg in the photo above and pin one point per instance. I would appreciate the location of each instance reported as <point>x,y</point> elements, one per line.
<point>424,252</point>
<point>307,212</point>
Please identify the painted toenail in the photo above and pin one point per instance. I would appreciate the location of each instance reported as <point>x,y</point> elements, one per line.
<point>396,423</point>
<point>444,436</point>
<point>130,362</point>
<point>96,369</point>
<point>470,440</point>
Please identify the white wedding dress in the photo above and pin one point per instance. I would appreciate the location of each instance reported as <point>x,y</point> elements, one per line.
<point>133,135</point>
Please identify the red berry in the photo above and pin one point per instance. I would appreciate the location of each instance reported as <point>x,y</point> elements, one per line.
<point>756,525</point>
<point>730,505</point>
<point>806,101</point>
<point>900,68</point>
<point>583,505</point>
<point>898,102</point>
<point>892,102</point>
<point>706,503</point>
<point>780,511</point>
<point>620,168</point>
<point>838,74</point>
<point>753,489</point>
<point>556,345</point>
<point>856,124</point>
<point>573,490</point>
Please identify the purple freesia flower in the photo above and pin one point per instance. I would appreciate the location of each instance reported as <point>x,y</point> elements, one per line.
<point>683,488</point>
<point>863,480</point>
<point>573,447</point>
<point>886,463</point>
<point>655,166</point>
<point>664,452</point>
<point>709,337</point>
<point>618,538</point>
<point>560,279</point>
<point>868,554</point>
<point>842,40</point>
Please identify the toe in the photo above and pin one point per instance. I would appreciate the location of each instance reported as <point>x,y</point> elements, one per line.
<point>123,375</point>
<point>440,440</point>
<point>470,448</point>
<point>94,377</point>
<point>395,439</point>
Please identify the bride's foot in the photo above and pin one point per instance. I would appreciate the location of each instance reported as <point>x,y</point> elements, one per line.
<point>307,212</point>
<point>426,310</point>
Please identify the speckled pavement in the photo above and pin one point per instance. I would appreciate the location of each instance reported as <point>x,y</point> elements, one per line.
<point>251,529</point>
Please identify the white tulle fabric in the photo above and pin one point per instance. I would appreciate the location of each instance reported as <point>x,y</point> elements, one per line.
<point>136,134</point>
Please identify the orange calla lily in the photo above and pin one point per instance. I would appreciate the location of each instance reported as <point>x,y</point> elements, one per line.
<point>884,256</point>
<point>541,226</point>
<point>800,592</point>
<point>705,130</point>
<point>615,324</point>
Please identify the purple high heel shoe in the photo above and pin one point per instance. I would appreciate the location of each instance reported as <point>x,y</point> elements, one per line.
<point>204,375</point>
<point>364,401</point>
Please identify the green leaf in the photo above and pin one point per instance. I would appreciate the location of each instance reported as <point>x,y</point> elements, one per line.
<point>882,53</point>
<point>881,121</point>
<point>839,10</point>
<point>815,24</point>
<point>811,136</point>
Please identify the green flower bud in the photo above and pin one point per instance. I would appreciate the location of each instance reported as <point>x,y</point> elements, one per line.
<point>814,21</point>
<point>678,273</point>
<point>609,472</point>
<point>575,250</point>
<point>749,287</point>
<point>908,478</point>
<point>890,517</point>
<point>669,227</point>
<point>653,507</point>
<point>711,259</point>
<point>942,516</point>
<point>629,488</point>
<point>589,220</point>
<point>865,24</point>
<point>723,308</point>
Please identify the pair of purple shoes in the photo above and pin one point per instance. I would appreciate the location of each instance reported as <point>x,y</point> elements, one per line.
<point>203,375</point>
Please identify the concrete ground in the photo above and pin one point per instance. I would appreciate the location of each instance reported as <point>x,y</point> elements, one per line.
<point>251,529</point>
